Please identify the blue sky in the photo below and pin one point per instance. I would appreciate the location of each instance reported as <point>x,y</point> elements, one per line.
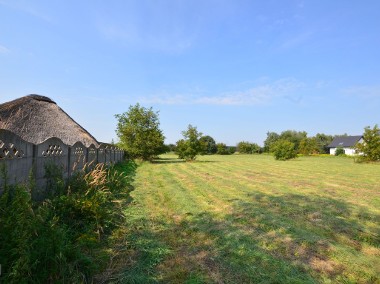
<point>235,69</point>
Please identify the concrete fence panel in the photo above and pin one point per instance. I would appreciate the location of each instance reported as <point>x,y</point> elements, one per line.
<point>22,159</point>
<point>17,157</point>
<point>78,155</point>
<point>92,157</point>
<point>51,152</point>
<point>108,160</point>
<point>101,154</point>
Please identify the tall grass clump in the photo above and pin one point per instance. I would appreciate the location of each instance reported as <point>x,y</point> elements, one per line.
<point>62,239</point>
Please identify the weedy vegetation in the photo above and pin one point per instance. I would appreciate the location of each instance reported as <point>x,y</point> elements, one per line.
<point>67,237</point>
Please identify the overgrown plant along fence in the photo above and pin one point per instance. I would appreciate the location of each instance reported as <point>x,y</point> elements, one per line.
<point>24,160</point>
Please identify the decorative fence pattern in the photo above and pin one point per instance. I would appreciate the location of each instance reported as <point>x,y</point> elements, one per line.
<point>22,158</point>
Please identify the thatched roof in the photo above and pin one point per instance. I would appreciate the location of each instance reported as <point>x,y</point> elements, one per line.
<point>36,118</point>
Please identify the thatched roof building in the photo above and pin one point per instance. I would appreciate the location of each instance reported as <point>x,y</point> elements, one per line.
<point>36,118</point>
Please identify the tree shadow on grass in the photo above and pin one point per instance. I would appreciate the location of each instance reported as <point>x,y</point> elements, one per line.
<point>168,161</point>
<point>328,217</point>
<point>265,239</point>
<point>201,161</point>
<point>178,161</point>
<point>306,231</point>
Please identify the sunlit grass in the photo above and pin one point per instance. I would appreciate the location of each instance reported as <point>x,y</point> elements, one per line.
<point>251,219</point>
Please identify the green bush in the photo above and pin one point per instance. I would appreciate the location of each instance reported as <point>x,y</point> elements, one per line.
<point>222,149</point>
<point>308,146</point>
<point>339,151</point>
<point>189,147</point>
<point>370,147</point>
<point>209,146</point>
<point>283,150</point>
<point>244,147</point>
<point>62,239</point>
<point>231,149</point>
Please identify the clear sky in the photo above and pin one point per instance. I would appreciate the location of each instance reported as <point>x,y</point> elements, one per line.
<point>235,69</point>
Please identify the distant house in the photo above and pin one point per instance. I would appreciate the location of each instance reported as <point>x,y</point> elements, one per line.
<point>346,142</point>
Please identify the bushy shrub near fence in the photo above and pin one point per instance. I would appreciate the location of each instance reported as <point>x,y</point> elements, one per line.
<point>63,238</point>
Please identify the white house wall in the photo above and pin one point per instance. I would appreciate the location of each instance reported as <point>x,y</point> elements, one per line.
<point>347,151</point>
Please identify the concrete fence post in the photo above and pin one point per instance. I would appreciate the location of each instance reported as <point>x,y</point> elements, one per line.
<point>34,162</point>
<point>69,162</point>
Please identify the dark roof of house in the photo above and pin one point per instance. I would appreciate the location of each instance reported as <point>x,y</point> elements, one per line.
<point>37,118</point>
<point>345,141</point>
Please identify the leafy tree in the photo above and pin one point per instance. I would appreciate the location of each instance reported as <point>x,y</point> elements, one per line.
<point>231,149</point>
<point>222,149</point>
<point>139,132</point>
<point>165,149</point>
<point>181,148</point>
<point>294,137</point>
<point>190,147</point>
<point>308,146</point>
<point>255,148</point>
<point>171,147</point>
<point>271,138</point>
<point>244,147</point>
<point>209,145</point>
<point>283,150</point>
<point>248,148</point>
<point>370,147</point>
<point>323,141</point>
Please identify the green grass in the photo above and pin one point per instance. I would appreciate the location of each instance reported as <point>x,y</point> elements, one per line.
<point>251,219</point>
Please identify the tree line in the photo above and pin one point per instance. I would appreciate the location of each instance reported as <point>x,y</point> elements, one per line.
<point>140,135</point>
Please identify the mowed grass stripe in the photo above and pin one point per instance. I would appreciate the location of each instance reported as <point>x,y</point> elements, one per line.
<point>207,194</point>
<point>275,185</point>
<point>240,238</point>
<point>326,182</point>
<point>251,219</point>
<point>196,172</point>
<point>195,198</point>
<point>248,188</point>
<point>169,192</point>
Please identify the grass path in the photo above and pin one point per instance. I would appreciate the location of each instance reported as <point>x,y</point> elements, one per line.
<point>251,219</point>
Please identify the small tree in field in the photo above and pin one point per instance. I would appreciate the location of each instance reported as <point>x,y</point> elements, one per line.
<point>231,149</point>
<point>222,149</point>
<point>272,137</point>
<point>283,150</point>
<point>370,147</point>
<point>244,147</point>
<point>323,140</point>
<point>308,146</point>
<point>256,149</point>
<point>208,145</point>
<point>190,147</point>
<point>139,132</point>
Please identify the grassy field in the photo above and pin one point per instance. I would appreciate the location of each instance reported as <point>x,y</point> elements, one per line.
<point>251,219</point>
